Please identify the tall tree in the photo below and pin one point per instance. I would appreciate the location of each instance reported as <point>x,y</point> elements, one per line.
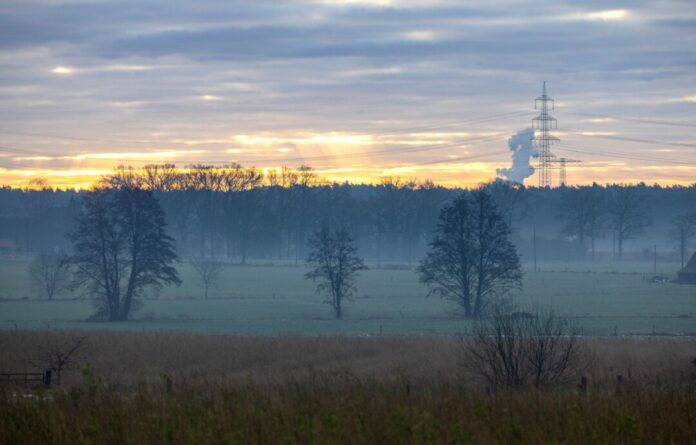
<point>509,198</point>
<point>471,259</point>
<point>304,191</point>
<point>628,212</point>
<point>120,247</point>
<point>683,229</point>
<point>335,264</point>
<point>40,200</point>
<point>50,274</point>
<point>581,211</point>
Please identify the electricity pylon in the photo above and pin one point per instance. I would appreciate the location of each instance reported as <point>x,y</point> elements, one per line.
<point>543,124</point>
<point>562,168</point>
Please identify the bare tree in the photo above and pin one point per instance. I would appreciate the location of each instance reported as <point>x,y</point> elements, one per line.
<point>40,200</point>
<point>512,350</point>
<point>471,259</point>
<point>121,247</point>
<point>60,352</point>
<point>335,264</point>
<point>50,274</point>
<point>160,177</point>
<point>509,198</point>
<point>306,180</point>
<point>208,272</point>
<point>683,229</point>
<point>629,213</point>
<point>581,211</point>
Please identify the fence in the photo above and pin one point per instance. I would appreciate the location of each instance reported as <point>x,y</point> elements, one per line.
<point>27,378</point>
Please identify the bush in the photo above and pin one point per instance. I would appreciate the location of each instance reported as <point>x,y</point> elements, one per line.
<point>511,350</point>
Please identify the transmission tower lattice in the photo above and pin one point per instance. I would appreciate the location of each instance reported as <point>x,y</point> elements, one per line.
<point>543,124</point>
<point>563,179</point>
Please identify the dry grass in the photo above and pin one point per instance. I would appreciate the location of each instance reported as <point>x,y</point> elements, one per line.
<point>364,412</point>
<point>126,358</point>
<point>190,388</point>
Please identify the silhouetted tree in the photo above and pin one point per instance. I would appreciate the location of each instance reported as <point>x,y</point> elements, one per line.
<point>304,193</point>
<point>60,352</point>
<point>581,211</point>
<point>509,198</point>
<point>50,274</point>
<point>121,247</point>
<point>628,210</point>
<point>511,350</point>
<point>208,272</point>
<point>40,200</point>
<point>683,229</point>
<point>471,259</point>
<point>392,210</point>
<point>335,264</point>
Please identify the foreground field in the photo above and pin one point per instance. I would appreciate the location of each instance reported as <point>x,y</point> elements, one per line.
<point>363,413</point>
<point>601,299</point>
<point>135,388</point>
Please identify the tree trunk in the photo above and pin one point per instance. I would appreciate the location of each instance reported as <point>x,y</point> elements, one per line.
<point>130,290</point>
<point>337,306</point>
<point>466,302</point>
<point>592,243</point>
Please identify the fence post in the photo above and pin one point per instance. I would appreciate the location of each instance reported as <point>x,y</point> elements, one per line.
<point>47,378</point>
<point>583,385</point>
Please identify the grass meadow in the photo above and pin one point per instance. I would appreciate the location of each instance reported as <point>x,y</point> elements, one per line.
<point>272,299</point>
<point>192,388</point>
<point>262,361</point>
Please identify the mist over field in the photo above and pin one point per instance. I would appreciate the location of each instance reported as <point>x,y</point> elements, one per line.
<point>347,221</point>
<point>256,242</point>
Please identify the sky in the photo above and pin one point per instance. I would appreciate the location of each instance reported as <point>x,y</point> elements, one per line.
<point>357,89</point>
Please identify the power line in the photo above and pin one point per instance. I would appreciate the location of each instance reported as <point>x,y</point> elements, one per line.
<point>453,160</point>
<point>408,149</point>
<point>637,120</point>
<point>691,178</point>
<point>482,119</point>
<point>629,139</point>
<point>622,155</point>
<point>629,155</point>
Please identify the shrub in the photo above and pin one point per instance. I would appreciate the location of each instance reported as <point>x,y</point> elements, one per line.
<point>511,351</point>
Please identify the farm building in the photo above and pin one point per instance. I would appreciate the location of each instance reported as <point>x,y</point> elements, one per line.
<point>688,274</point>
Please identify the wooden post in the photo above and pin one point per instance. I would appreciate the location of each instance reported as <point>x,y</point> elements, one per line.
<point>535,250</point>
<point>47,378</point>
<point>583,385</point>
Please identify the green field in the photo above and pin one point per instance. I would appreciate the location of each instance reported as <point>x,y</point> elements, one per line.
<point>601,299</point>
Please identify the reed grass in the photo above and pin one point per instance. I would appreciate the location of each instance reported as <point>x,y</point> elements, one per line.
<point>140,388</point>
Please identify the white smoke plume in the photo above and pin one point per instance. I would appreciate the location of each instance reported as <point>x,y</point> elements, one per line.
<point>523,150</point>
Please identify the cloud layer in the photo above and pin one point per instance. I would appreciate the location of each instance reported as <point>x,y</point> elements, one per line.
<point>347,86</point>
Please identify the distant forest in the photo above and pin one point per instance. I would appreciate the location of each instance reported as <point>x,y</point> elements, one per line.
<point>240,214</point>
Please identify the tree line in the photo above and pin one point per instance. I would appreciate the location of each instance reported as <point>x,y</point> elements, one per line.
<point>120,244</point>
<point>238,214</point>
<point>120,248</point>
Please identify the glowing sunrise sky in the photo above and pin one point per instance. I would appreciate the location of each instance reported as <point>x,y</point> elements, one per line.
<point>358,89</point>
